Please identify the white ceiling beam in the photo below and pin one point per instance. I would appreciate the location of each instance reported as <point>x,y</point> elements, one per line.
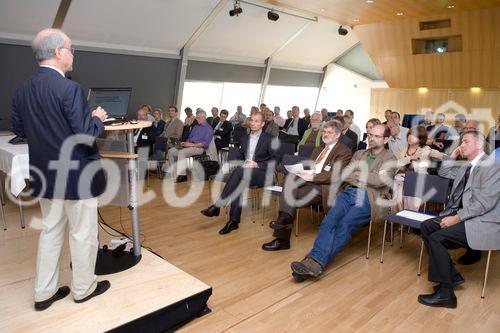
<point>265,80</point>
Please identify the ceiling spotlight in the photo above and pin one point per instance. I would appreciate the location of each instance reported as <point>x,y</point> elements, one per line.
<point>450,6</point>
<point>237,10</point>
<point>399,13</point>
<point>272,16</point>
<point>343,31</point>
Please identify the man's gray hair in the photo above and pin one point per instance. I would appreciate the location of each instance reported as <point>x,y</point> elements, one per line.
<point>337,128</point>
<point>44,46</point>
<point>201,112</point>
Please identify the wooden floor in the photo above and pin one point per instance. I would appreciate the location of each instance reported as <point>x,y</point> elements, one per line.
<point>253,290</point>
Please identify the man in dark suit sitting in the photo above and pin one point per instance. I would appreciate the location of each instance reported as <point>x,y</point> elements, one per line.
<point>470,218</point>
<point>50,111</point>
<point>329,160</point>
<point>144,137</point>
<point>294,127</point>
<point>222,131</point>
<point>260,158</point>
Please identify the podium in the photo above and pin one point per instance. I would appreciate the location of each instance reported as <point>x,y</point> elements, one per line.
<point>108,261</point>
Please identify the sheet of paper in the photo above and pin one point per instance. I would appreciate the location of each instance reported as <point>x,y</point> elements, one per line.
<point>414,215</point>
<point>294,168</point>
<point>274,188</point>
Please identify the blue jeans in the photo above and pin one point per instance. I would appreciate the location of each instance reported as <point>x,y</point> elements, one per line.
<point>342,220</point>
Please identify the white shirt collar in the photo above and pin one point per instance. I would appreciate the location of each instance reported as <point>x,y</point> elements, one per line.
<point>54,68</point>
<point>256,134</point>
<point>475,161</point>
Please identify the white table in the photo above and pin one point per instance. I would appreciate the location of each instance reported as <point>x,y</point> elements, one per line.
<point>14,161</point>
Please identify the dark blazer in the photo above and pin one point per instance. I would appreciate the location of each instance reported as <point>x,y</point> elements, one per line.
<point>213,121</point>
<point>302,127</point>
<point>225,135</point>
<point>147,138</point>
<point>348,142</point>
<point>264,153</point>
<point>354,138</point>
<point>48,109</point>
<point>160,127</point>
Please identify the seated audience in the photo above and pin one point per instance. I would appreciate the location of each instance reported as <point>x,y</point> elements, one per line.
<point>257,152</point>
<point>355,205</point>
<point>494,134</point>
<point>388,116</point>
<point>144,137</point>
<point>172,129</point>
<point>415,156</point>
<point>253,110</point>
<point>329,160</point>
<point>428,118</point>
<point>159,123</point>
<point>270,126</point>
<point>239,117</point>
<point>294,127</point>
<point>397,140</point>
<point>312,136</point>
<point>190,118</point>
<point>278,120</point>
<point>307,117</point>
<point>149,110</point>
<point>324,115</point>
<point>437,131</point>
<point>289,115</point>
<point>353,127</point>
<point>339,113</point>
<point>344,138</point>
<point>348,132</point>
<point>396,117</point>
<point>363,144</point>
<point>214,119</point>
<point>222,131</point>
<point>199,139</point>
<point>456,131</point>
<point>470,218</point>
<point>262,107</point>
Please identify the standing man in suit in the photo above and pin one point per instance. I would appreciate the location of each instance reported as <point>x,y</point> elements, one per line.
<point>329,160</point>
<point>294,127</point>
<point>49,110</point>
<point>370,179</point>
<point>470,218</point>
<point>222,131</point>
<point>214,120</point>
<point>260,157</point>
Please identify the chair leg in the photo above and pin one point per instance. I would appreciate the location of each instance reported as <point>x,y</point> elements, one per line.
<point>420,259</point>
<point>383,242</point>
<point>401,238</point>
<point>369,240</point>
<point>297,223</point>
<point>3,218</point>
<point>392,233</point>
<point>486,274</point>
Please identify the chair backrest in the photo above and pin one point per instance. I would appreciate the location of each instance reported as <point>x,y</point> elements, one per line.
<point>306,150</point>
<point>238,133</point>
<point>285,148</point>
<point>428,187</point>
<point>233,154</point>
<point>291,160</point>
<point>161,143</point>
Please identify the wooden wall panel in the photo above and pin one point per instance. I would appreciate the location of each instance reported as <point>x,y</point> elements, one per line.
<point>389,46</point>
<point>484,104</point>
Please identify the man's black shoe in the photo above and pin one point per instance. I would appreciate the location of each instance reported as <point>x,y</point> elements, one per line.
<point>230,226</point>
<point>437,300</point>
<point>60,294</point>
<point>276,245</point>
<point>181,179</point>
<point>101,288</point>
<point>211,211</point>
<point>470,257</point>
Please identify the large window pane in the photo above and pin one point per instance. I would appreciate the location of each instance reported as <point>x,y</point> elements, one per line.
<point>201,94</point>
<point>244,94</point>
<point>286,96</point>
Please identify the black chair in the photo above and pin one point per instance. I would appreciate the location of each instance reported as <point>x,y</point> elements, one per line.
<point>429,188</point>
<point>237,134</point>
<point>306,150</point>
<point>497,144</point>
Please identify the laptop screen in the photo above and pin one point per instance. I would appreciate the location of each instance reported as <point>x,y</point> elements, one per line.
<point>114,100</point>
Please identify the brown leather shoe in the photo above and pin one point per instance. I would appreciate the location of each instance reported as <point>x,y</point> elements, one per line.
<point>307,267</point>
<point>60,294</point>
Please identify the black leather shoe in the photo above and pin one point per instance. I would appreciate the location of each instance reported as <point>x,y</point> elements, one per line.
<point>230,226</point>
<point>211,211</point>
<point>101,288</point>
<point>276,245</point>
<point>437,300</point>
<point>470,257</point>
<point>60,294</point>
<point>181,179</point>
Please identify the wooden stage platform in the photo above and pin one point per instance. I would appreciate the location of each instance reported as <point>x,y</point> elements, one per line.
<point>153,292</point>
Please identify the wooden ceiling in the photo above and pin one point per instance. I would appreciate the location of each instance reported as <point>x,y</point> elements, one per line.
<point>359,12</point>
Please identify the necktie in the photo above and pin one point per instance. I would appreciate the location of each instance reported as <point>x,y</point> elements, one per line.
<point>322,155</point>
<point>456,197</point>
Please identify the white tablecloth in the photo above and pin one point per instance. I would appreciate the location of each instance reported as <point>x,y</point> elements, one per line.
<point>14,160</point>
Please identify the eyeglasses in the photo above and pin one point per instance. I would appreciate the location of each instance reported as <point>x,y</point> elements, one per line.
<point>70,49</point>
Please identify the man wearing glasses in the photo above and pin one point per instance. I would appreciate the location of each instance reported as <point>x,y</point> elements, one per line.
<point>49,110</point>
<point>369,177</point>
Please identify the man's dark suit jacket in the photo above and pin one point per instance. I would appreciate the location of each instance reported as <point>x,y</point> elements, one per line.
<point>302,127</point>
<point>213,121</point>
<point>147,138</point>
<point>264,153</point>
<point>160,127</point>
<point>354,138</point>
<point>225,135</point>
<point>47,109</point>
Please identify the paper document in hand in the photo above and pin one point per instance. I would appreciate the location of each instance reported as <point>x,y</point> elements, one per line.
<point>414,215</point>
<point>294,168</point>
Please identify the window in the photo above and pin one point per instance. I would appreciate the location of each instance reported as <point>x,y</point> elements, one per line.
<point>287,96</point>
